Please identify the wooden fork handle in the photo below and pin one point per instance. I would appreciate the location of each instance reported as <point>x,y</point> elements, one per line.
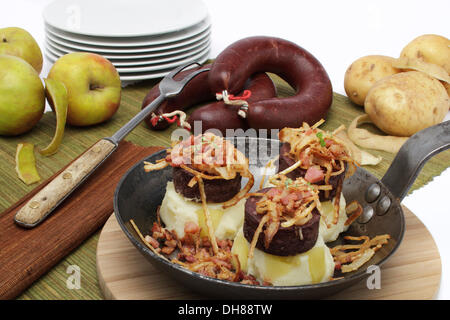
<point>43,203</point>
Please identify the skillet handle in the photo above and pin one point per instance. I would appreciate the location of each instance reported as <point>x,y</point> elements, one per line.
<point>412,156</point>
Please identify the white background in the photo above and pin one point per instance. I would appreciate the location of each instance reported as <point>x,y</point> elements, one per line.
<point>337,33</point>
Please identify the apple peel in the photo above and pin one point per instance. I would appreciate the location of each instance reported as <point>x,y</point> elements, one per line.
<point>362,157</point>
<point>56,94</point>
<point>26,163</point>
<point>369,140</point>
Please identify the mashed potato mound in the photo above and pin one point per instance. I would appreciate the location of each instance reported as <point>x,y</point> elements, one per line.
<point>332,233</point>
<point>176,210</point>
<point>313,266</point>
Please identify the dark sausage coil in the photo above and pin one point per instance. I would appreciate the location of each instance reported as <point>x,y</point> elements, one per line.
<point>215,115</point>
<point>294,64</point>
<point>220,116</point>
<point>195,92</point>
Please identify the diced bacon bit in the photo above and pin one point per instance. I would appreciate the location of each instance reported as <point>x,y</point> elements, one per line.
<point>205,242</point>
<point>314,174</point>
<point>191,227</point>
<point>156,227</point>
<point>153,242</point>
<point>305,158</point>
<point>225,244</point>
<point>291,197</point>
<point>167,250</point>
<point>171,243</point>
<point>249,279</point>
<point>157,235</point>
<point>337,150</point>
<point>190,259</point>
<point>272,193</point>
<point>221,263</point>
<point>168,236</point>
<point>195,253</point>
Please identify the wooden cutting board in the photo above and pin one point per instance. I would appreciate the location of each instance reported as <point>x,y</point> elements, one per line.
<point>413,272</point>
<point>26,254</point>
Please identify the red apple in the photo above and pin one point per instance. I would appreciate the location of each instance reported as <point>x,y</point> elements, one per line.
<point>93,87</point>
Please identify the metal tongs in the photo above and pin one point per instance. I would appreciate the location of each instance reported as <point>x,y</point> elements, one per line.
<point>46,200</point>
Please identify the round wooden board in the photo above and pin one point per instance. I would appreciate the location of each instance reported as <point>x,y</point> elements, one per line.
<point>413,272</point>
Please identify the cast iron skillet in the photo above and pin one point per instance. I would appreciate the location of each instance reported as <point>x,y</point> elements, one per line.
<point>138,195</point>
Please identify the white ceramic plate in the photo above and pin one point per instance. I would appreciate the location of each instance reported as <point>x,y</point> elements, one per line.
<point>142,62</point>
<point>138,76</point>
<point>162,49</point>
<point>124,18</point>
<point>119,42</point>
<point>149,57</point>
<point>55,53</point>
<point>171,65</point>
<point>151,75</point>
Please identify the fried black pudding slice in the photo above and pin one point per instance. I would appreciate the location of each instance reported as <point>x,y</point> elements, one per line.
<point>216,190</point>
<point>287,241</point>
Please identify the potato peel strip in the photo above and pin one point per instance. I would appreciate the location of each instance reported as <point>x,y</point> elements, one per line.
<point>366,139</point>
<point>360,156</point>
<point>430,69</point>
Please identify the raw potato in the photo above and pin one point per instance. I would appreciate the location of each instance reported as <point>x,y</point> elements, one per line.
<point>363,73</point>
<point>430,48</point>
<point>407,102</point>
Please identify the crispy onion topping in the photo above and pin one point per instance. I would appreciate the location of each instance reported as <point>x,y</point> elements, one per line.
<point>350,257</point>
<point>207,153</point>
<point>209,157</point>
<point>288,203</point>
<point>311,146</point>
<point>322,154</point>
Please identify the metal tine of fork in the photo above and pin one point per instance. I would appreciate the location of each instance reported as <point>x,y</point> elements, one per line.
<point>174,72</point>
<point>188,78</point>
<point>169,87</point>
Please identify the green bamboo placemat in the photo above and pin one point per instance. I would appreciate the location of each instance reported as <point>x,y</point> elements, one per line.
<point>76,140</point>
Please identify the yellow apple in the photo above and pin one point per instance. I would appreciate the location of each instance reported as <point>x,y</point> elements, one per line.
<point>93,87</point>
<point>22,97</point>
<point>18,42</point>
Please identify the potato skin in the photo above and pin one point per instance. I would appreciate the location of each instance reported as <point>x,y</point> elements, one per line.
<point>407,102</point>
<point>430,48</point>
<point>363,73</point>
<point>447,87</point>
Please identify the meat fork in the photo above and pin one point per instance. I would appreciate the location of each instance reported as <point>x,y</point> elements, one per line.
<point>46,200</point>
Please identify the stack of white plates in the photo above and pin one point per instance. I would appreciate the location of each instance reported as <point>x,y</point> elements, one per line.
<point>144,39</point>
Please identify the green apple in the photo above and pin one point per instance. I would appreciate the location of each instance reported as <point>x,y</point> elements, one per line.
<point>22,97</point>
<point>93,87</point>
<point>18,42</point>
